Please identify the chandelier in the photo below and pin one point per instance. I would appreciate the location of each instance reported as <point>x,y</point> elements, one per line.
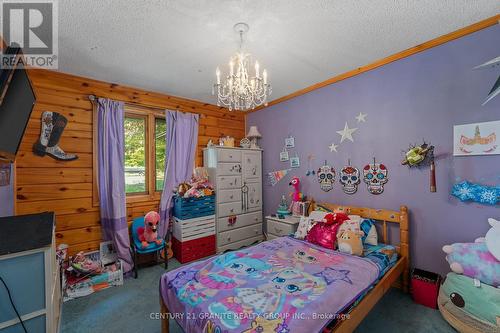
<point>239,91</point>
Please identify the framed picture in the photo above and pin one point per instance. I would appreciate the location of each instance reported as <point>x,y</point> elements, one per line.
<point>290,142</point>
<point>284,156</point>
<point>476,139</point>
<point>295,162</point>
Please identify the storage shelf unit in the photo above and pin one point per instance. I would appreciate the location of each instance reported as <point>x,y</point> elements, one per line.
<point>29,268</point>
<point>237,176</point>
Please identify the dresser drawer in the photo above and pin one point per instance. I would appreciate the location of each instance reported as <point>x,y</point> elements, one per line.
<point>229,195</point>
<point>228,182</point>
<point>243,220</point>
<point>229,169</point>
<point>227,209</point>
<point>228,155</point>
<point>280,229</point>
<point>236,235</point>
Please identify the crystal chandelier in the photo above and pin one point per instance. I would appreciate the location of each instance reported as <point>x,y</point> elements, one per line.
<point>239,91</point>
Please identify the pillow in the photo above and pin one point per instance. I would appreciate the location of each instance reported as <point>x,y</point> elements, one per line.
<point>307,222</point>
<point>368,228</point>
<point>357,223</point>
<point>325,233</point>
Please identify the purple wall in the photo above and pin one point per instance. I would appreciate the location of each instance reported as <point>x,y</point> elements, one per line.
<point>7,199</point>
<point>418,97</point>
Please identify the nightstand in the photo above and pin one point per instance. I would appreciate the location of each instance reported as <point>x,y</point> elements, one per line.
<point>277,227</point>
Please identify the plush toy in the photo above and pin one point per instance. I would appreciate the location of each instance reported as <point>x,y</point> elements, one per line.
<point>467,307</point>
<point>349,241</point>
<point>149,233</point>
<point>296,195</point>
<point>325,233</point>
<point>479,260</point>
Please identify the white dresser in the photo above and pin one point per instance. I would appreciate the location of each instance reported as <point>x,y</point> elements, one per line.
<point>237,176</point>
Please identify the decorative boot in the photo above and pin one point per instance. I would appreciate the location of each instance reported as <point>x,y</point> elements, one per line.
<point>53,125</point>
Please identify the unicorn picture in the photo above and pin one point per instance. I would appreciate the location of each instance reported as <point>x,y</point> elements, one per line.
<point>476,139</point>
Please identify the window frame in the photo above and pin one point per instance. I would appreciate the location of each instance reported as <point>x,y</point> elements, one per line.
<point>150,114</point>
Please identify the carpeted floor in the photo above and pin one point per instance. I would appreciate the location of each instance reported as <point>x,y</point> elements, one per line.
<point>128,308</point>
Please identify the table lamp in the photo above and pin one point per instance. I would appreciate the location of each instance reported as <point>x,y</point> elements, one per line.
<point>253,135</point>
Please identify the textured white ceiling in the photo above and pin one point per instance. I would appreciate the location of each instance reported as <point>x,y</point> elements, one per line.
<point>174,46</point>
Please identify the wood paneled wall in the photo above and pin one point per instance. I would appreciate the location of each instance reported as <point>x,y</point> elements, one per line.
<point>44,184</point>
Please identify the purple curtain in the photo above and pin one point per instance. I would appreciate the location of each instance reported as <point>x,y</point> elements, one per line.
<point>181,141</point>
<point>111,177</point>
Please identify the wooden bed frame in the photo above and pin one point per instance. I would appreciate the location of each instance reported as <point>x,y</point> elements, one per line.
<point>392,277</point>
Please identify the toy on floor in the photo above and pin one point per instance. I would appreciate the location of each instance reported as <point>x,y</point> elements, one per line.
<point>468,306</point>
<point>149,233</point>
<point>349,242</point>
<point>479,260</point>
<point>85,266</point>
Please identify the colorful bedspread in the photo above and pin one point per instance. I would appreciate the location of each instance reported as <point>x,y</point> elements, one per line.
<point>284,285</point>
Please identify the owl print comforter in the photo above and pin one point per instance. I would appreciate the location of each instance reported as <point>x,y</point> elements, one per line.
<point>284,285</point>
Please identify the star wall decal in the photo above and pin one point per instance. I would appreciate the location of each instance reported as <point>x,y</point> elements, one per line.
<point>495,90</point>
<point>361,117</point>
<point>346,133</point>
<point>333,147</point>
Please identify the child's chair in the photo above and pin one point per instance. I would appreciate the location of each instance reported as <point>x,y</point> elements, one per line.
<point>152,247</point>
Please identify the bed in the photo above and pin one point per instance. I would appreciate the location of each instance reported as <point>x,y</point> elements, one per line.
<point>286,284</point>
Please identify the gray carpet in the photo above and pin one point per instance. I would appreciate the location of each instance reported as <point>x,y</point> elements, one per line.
<point>127,309</point>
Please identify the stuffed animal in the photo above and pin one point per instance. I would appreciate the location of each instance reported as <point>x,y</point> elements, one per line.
<point>149,233</point>
<point>349,241</point>
<point>479,260</point>
<point>325,233</point>
<point>467,307</point>
<point>296,195</point>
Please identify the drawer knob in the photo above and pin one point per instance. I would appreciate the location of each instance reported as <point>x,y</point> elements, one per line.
<point>229,239</point>
<point>230,156</point>
<point>231,197</point>
<point>232,210</point>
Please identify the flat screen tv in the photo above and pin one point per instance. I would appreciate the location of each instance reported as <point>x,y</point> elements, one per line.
<point>17,99</point>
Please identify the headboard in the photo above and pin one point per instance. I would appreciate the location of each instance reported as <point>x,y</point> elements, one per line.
<point>382,216</point>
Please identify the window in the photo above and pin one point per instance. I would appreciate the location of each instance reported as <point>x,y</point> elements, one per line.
<point>135,155</point>
<point>145,132</point>
<point>160,147</point>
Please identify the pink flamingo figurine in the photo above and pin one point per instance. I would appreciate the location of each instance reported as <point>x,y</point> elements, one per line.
<point>297,196</point>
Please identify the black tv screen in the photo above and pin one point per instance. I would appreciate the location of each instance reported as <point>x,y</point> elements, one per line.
<point>15,111</point>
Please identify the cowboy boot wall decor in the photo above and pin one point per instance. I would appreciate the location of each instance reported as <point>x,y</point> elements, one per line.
<point>53,125</point>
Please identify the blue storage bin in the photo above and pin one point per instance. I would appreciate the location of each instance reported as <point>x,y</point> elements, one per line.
<point>190,208</point>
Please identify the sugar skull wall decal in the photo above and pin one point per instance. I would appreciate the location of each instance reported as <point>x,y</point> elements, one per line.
<point>326,177</point>
<point>375,176</point>
<point>349,178</point>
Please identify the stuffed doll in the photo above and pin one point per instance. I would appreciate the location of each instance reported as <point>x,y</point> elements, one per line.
<point>349,241</point>
<point>149,233</point>
<point>325,233</point>
<point>479,260</point>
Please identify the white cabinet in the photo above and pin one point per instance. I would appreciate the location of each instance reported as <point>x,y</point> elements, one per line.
<point>277,227</point>
<point>237,176</point>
